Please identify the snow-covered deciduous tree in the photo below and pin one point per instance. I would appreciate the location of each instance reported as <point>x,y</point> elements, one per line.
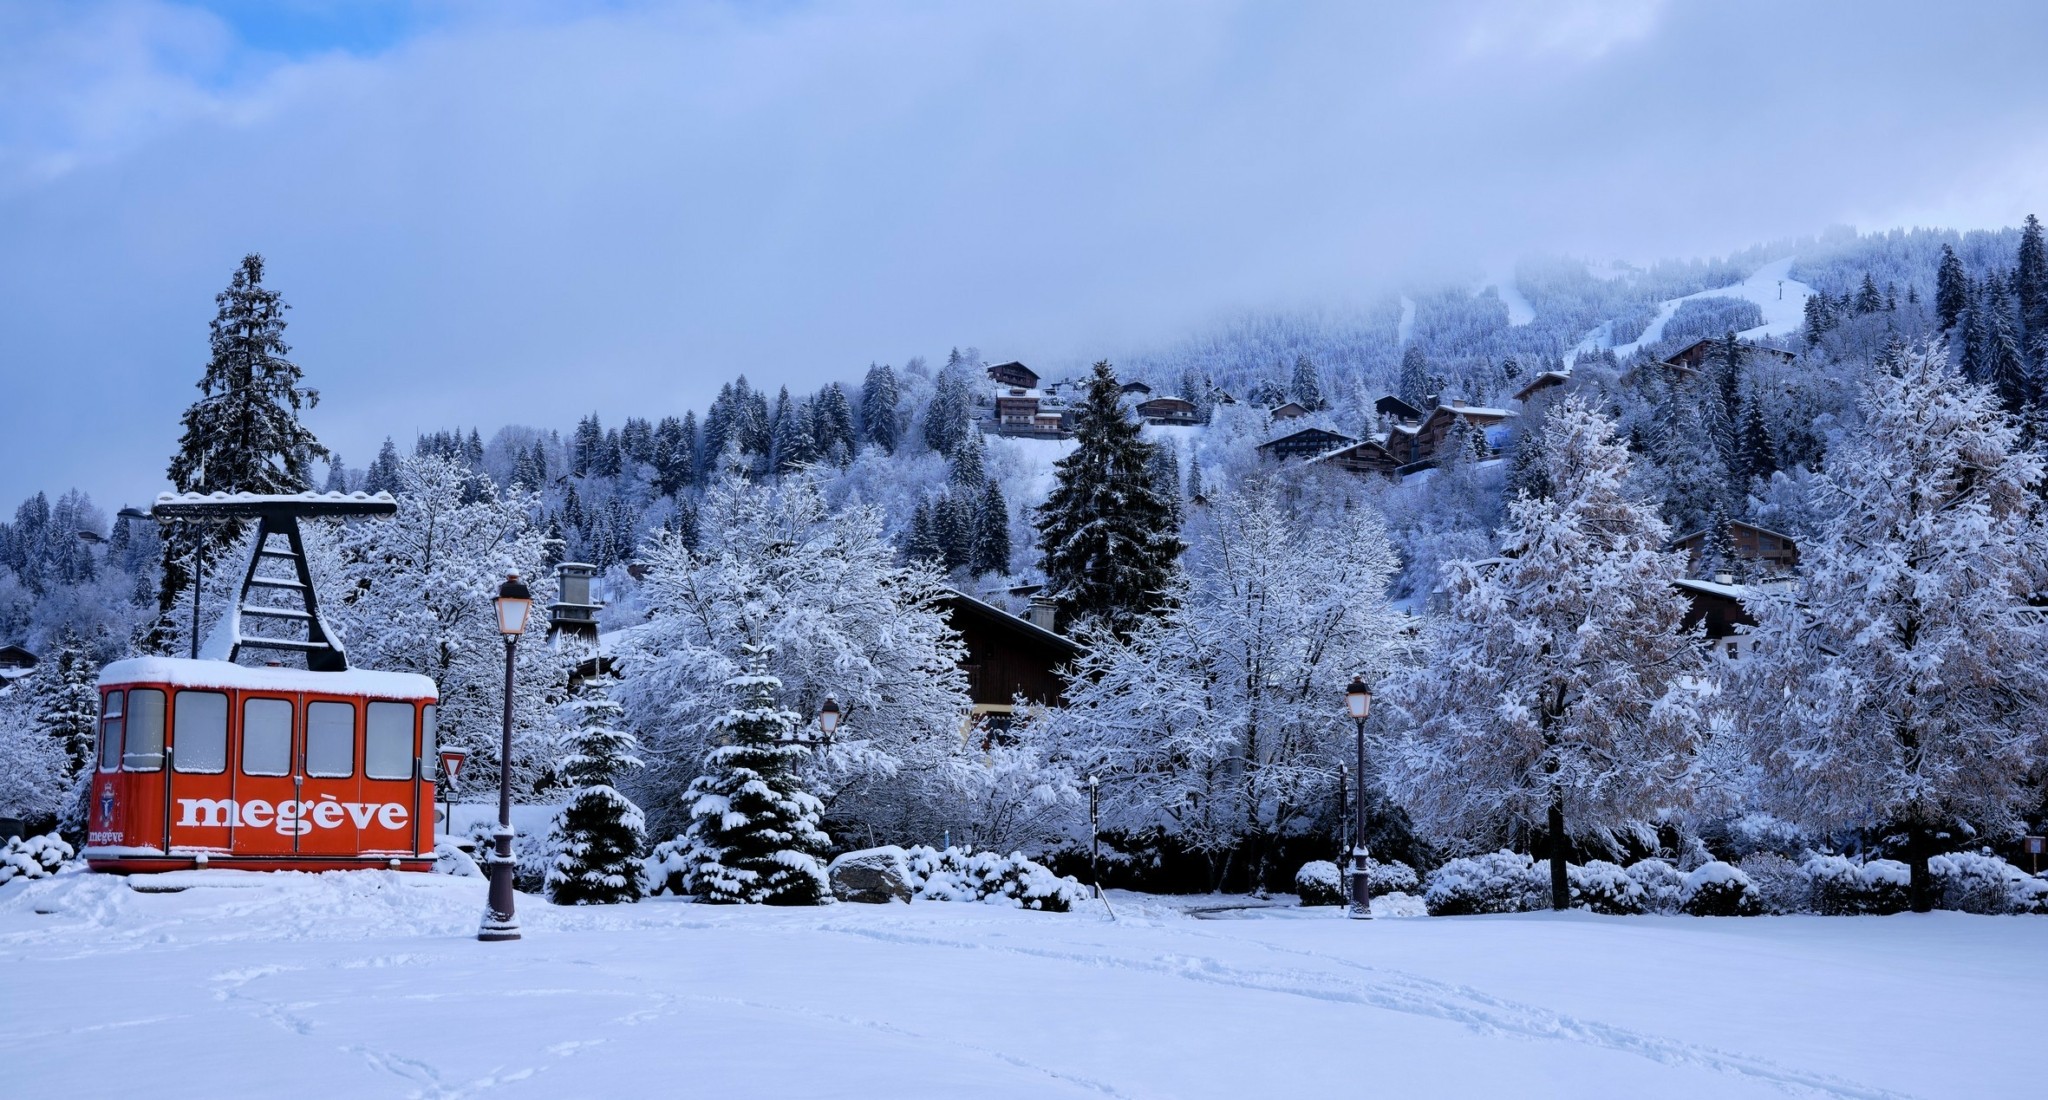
<point>754,835</point>
<point>1109,535</point>
<point>1903,682</point>
<point>1219,721</point>
<point>35,776</point>
<point>821,591</point>
<point>413,593</point>
<point>598,835</point>
<point>1558,690</point>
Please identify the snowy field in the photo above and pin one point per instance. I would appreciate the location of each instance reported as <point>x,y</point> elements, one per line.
<point>369,984</point>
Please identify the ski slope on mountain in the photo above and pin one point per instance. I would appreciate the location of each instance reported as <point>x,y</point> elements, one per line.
<point>370,984</point>
<point>1520,311</point>
<point>1781,298</point>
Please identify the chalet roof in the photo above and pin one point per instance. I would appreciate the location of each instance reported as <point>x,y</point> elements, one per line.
<point>1543,381</point>
<point>1391,405</point>
<point>1136,387</point>
<point>1176,404</point>
<point>1737,592</point>
<point>1481,411</point>
<point>1307,433</point>
<point>1335,452</point>
<point>1013,368</point>
<point>1288,410</point>
<point>1672,360</point>
<point>1734,523</point>
<point>988,614</point>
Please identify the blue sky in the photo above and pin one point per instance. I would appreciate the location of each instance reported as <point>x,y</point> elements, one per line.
<point>514,211</point>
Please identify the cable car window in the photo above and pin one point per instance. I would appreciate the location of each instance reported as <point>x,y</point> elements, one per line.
<point>387,741</point>
<point>267,737</point>
<point>331,739</point>
<point>145,749</point>
<point>430,749</point>
<point>200,723</point>
<point>110,731</point>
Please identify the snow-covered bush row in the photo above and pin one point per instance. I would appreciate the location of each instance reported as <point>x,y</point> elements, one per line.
<point>962,874</point>
<point>33,857</point>
<point>1971,882</point>
<point>1662,885</point>
<point>1838,886</point>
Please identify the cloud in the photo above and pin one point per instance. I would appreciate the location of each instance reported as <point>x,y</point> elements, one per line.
<point>503,214</point>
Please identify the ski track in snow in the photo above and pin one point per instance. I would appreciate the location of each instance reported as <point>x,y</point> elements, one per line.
<point>1783,313</point>
<point>1410,994</point>
<point>1520,312</point>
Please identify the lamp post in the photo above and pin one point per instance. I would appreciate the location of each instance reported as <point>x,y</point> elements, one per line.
<point>1095,833</point>
<point>1358,703</point>
<point>828,717</point>
<point>514,603</point>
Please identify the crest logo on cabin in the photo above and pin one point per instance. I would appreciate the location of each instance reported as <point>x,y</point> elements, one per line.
<point>106,804</point>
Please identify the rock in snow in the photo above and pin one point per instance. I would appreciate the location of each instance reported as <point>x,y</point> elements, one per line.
<point>872,875</point>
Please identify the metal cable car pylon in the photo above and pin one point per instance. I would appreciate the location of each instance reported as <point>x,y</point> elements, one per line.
<point>277,518</point>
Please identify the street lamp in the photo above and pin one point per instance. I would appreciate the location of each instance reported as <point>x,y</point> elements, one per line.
<point>1095,833</point>
<point>515,603</point>
<point>828,717</point>
<point>1358,703</point>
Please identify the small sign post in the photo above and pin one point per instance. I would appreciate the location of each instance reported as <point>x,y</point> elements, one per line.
<point>451,766</point>
<point>2035,846</point>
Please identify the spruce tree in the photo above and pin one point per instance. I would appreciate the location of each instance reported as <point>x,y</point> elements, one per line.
<point>1951,289</point>
<point>1109,539</point>
<point>68,702</point>
<point>754,836</point>
<point>382,476</point>
<point>1868,300</point>
<point>878,408</point>
<point>599,834</point>
<point>243,435</point>
<point>2030,280</point>
<point>969,463</point>
<point>946,418</point>
<point>1414,383</point>
<point>992,532</point>
<point>1307,385</point>
<point>2004,367</point>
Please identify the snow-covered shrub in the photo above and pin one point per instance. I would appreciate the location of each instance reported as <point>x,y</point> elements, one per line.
<point>33,857</point>
<point>1720,889</point>
<point>1663,885</point>
<point>1781,885</point>
<point>1498,882</point>
<point>1391,877</point>
<point>451,860</point>
<point>670,868</point>
<point>1319,882</point>
<point>962,874</point>
<point>1973,882</point>
<point>531,855</point>
<point>1604,887</point>
<point>1838,886</point>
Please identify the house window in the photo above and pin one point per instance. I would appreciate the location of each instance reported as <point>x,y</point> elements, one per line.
<point>200,723</point>
<point>145,749</point>
<point>110,732</point>
<point>387,747</point>
<point>267,737</point>
<point>331,740</point>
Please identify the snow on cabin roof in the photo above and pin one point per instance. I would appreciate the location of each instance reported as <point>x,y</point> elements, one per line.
<point>1736,592</point>
<point>184,672</point>
<point>1472,410</point>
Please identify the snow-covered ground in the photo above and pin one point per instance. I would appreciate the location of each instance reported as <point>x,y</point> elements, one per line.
<point>370,984</point>
<point>1781,298</point>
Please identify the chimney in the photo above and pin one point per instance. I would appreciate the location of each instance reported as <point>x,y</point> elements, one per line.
<point>574,611</point>
<point>1457,402</point>
<point>1724,578</point>
<point>1043,613</point>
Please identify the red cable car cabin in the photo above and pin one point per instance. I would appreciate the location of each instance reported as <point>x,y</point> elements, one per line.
<point>210,764</point>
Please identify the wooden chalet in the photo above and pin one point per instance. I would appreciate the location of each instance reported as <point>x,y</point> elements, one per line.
<point>1543,381</point>
<point>1720,607</point>
<point>1367,456</point>
<point>1013,375</point>
<point>1140,389</point>
<point>1415,444</point>
<point>1775,552</point>
<point>1287,411</point>
<point>1168,410</point>
<point>1396,408</point>
<point>1303,444</point>
<point>16,662</point>
<point>1008,658</point>
<point>1016,408</point>
<point>1691,356</point>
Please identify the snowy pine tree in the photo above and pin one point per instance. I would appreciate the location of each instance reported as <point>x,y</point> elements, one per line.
<point>878,398</point>
<point>754,834</point>
<point>243,435</point>
<point>946,422</point>
<point>1903,682</point>
<point>1109,537</point>
<point>67,702</point>
<point>598,836</point>
<point>1559,691</point>
<point>1307,385</point>
<point>1414,381</point>
<point>992,532</point>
